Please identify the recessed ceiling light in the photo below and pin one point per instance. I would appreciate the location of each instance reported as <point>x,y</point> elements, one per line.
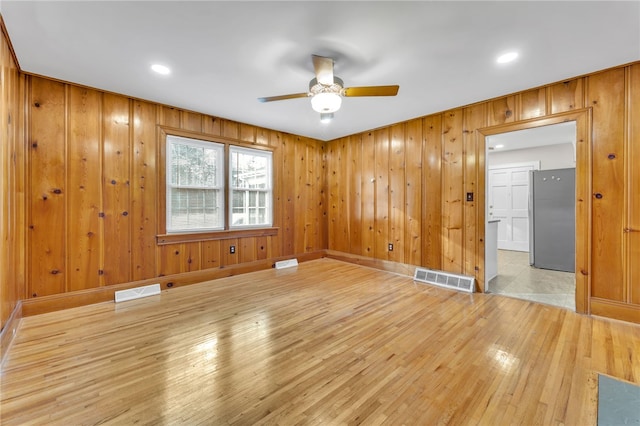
<point>507,57</point>
<point>161,69</point>
<point>499,146</point>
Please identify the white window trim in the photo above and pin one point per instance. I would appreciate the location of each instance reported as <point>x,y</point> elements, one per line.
<point>268,190</point>
<point>171,139</point>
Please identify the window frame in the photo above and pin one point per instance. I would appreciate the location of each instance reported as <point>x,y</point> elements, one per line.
<point>220,187</point>
<point>163,237</point>
<point>268,191</point>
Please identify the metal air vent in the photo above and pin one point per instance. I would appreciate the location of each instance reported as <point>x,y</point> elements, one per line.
<point>445,279</point>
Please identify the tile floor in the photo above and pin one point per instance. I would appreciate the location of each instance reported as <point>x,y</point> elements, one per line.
<point>516,278</point>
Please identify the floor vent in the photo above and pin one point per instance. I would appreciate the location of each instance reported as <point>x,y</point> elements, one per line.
<point>137,293</point>
<point>289,263</point>
<point>445,279</point>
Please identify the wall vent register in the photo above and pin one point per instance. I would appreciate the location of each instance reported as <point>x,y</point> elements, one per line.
<point>445,279</point>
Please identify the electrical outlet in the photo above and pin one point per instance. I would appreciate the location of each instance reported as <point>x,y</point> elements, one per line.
<point>390,247</point>
<point>232,249</point>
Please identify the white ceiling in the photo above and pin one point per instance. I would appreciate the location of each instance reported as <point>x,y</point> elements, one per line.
<point>224,55</point>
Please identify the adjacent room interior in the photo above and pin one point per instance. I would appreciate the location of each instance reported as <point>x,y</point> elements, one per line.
<point>215,212</point>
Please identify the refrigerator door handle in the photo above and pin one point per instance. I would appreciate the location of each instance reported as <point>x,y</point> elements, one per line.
<point>531,219</point>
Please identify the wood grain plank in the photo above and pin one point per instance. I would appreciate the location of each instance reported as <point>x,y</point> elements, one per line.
<point>381,141</point>
<point>143,191</point>
<point>452,194</point>
<point>85,237</point>
<point>116,191</point>
<point>368,194</point>
<point>533,103</point>
<point>473,256</point>
<point>633,185</point>
<point>354,189</point>
<point>567,96</point>
<point>287,199</point>
<point>432,231</point>
<point>47,210</point>
<point>502,110</point>
<point>211,254</point>
<point>397,192</point>
<point>413,200</point>
<point>605,95</point>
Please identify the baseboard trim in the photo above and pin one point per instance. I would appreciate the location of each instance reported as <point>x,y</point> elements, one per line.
<point>57,302</point>
<point>9,331</point>
<point>384,265</point>
<point>615,310</point>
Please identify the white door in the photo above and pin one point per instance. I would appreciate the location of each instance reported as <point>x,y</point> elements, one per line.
<point>508,201</point>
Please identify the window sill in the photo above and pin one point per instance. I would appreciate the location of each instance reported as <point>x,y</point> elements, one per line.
<point>165,239</point>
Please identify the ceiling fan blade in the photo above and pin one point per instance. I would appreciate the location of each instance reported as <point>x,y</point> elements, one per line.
<point>283,97</point>
<point>371,91</point>
<point>324,69</point>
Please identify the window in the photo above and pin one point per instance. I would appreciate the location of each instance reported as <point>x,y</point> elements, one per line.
<point>195,185</point>
<point>250,187</point>
<point>197,191</point>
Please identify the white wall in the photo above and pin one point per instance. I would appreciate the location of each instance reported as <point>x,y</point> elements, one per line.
<point>560,156</point>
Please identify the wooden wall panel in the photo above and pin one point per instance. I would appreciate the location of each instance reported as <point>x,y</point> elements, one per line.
<point>117,201</point>
<point>354,189</point>
<point>338,230</point>
<point>533,103</point>
<point>502,110</point>
<point>85,233</point>
<point>381,141</point>
<point>368,194</point>
<point>566,96</point>
<point>474,117</point>
<point>452,192</point>
<point>143,191</point>
<point>432,231</point>
<point>12,202</point>
<point>605,95</point>
<point>413,193</point>
<point>47,218</point>
<point>633,186</point>
<point>94,201</point>
<point>451,230</point>
<point>397,184</point>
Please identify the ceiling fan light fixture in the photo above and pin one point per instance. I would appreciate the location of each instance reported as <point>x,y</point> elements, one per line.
<point>326,103</point>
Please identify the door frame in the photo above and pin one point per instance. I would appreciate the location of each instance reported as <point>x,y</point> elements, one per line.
<point>583,120</point>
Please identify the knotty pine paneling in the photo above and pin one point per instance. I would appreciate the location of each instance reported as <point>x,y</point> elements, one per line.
<point>397,193</point>
<point>452,191</point>
<point>432,236</point>
<point>382,196</point>
<point>12,181</point>
<point>474,117</point>
<point>451,235</point>
<point>93,194</point>
<point>632,184</point>
<point>566,96</point>
<point>84,154</point>
<point>369,200</point>
<point>605,95</point>
<point>413,192</point>
<point>47,219</point>
<point>116,173</point>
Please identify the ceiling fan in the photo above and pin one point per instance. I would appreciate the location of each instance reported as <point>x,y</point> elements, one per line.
<point>326,90</point>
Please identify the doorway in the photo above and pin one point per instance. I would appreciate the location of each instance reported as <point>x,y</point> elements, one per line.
<point>511,156</point>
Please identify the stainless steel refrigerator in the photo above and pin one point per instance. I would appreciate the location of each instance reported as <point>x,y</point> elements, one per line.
<point>552,213</point>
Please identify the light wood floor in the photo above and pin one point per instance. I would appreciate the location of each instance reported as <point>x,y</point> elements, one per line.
<point>328,343</point>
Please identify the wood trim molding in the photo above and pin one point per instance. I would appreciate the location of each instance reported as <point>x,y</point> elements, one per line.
<point>57,302</point>
<point>616,310</point>
<point>218,235</point>
<point>9,331</point>
<point>383,265</point>
<point>583,120</point>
